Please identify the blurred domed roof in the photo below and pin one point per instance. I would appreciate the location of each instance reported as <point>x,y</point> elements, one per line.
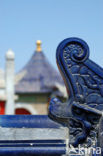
<point>38,76</point>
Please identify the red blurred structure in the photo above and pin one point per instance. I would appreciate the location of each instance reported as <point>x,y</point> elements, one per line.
<point>2,107</point>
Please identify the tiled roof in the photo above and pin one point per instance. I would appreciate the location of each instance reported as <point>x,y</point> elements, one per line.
<point>39,76</point>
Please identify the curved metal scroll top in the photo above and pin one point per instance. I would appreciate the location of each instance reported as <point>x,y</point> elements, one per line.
<point>84,83</point>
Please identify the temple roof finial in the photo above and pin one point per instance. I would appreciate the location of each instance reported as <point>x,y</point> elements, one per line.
<point>38,44</point>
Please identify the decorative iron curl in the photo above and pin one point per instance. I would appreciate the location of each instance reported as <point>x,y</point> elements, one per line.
<point>78,50</point>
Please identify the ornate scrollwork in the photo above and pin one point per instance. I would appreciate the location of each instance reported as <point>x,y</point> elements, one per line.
<point>84,83</point>
<point>77,52</point>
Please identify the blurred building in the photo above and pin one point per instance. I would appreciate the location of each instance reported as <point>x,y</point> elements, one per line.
<point>35,84</point>
<point>2,92</point>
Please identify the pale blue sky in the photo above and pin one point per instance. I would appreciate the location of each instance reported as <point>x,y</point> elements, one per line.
<point>22,22</point>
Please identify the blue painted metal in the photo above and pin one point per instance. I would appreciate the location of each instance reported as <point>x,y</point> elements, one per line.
<point>27,121</point>
<point>84,82</point>
<point>33,151</point>
<point>30,147</point>
<point>24,149</point>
